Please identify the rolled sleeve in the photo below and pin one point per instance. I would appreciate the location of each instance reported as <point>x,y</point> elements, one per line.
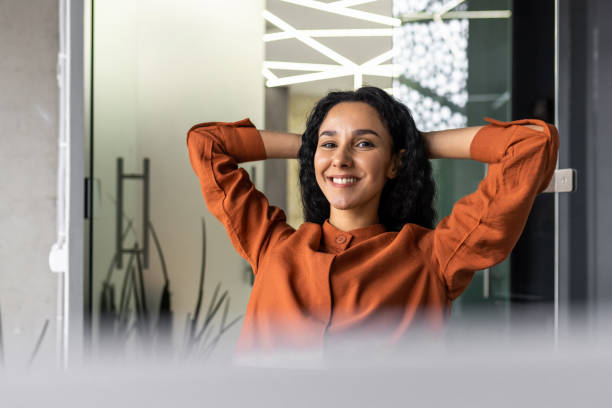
<point>240,139</point>
<point>245,143</point>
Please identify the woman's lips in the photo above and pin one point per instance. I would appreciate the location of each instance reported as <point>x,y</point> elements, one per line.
<point>351,181</point>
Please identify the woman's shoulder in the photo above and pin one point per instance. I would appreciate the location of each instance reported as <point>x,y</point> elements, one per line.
<point>416,235</point>
<point>308,229</point>
<point>307,235</point>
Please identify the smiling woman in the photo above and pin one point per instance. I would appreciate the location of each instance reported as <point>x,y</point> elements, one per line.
<point>368,260</point>
<point>353,163</point>
<point>397,185</point>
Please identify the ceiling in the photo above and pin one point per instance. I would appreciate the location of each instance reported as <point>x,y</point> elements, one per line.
<point>356,49</point>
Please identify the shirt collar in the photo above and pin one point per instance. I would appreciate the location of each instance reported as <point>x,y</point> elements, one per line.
<point>337,240</point>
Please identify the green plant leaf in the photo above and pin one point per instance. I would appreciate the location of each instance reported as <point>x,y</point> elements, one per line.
<point>196,312</point>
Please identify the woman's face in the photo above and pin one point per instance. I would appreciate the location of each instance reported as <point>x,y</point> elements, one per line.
<point>353,159</point>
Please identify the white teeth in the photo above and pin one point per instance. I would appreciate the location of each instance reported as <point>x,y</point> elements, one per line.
<point>344,180</point>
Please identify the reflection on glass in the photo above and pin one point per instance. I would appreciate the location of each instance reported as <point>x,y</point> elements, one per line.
<point>153,78</point>
<point>454,68</point>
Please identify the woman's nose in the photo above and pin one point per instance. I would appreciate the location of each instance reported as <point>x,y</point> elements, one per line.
<point>342,158</point>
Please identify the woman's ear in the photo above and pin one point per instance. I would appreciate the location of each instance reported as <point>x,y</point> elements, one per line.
<point>396,162</point>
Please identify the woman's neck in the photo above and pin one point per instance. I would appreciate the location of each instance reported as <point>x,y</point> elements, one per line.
<point>348,220</point>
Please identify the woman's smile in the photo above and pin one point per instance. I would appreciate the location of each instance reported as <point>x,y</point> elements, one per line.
<point>343,181</point>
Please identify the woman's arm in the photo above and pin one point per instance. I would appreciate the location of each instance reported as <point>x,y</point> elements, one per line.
<point>454,143</point>
<point>215,150</point>
<point>484,226</point>
<point>442,144</point>
<point>281,145</point>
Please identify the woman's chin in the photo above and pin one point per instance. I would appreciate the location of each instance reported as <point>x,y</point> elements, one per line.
<point>342,205</point>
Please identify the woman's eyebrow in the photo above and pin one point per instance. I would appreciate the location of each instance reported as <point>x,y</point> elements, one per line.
<point>355,132</point>
<point>365,131</point>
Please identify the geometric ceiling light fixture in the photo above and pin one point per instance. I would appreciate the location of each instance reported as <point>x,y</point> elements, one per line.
<point>343,8</point>
<point>344,66</point>
<point>405,12</point>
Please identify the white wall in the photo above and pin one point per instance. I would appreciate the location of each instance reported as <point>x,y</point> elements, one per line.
<point>28,164</point>
<point>159,68</point>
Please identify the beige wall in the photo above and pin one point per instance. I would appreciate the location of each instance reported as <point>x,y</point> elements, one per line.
<point>300,106</point>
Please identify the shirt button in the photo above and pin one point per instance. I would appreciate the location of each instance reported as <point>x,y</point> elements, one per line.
<point>340,239</point>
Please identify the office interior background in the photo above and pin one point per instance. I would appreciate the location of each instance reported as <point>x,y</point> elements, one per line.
<point>105,243</point>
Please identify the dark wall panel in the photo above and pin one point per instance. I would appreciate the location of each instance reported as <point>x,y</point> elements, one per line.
<point>532,261</point>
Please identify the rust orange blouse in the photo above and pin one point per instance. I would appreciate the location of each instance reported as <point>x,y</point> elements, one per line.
<point>318,283</point>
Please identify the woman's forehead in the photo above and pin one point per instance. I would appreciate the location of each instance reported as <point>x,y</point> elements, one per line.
<point>353,118</point>
<point>352,115</point>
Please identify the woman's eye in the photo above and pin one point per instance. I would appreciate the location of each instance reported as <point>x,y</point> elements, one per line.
<point>327,145</point>
<point>364,144</point>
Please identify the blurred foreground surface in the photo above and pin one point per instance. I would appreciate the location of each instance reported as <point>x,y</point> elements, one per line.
<point>475,370</point>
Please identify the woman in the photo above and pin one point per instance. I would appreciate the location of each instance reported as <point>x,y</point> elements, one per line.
<point>367,260</point>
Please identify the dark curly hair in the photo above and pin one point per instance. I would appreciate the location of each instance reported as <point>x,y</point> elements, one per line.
<point>407,198</point>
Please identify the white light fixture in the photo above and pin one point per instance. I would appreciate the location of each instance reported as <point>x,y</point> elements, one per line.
<point>299,66</point>
<point>448,7</point>
<point>269,75</point>
<point>354,32</point>
<point>380,58</point>
<point>296,79</point>
<point>350,3</point>
<point>347,12</point>
<point>357,79</point>
<point>328,52</point>
<point>369,68</point>
<point>478,14</point>
<point>346,67</point>
<point>388,70</point>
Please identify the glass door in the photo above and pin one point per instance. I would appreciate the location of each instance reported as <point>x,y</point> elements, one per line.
<point>461,61</point>
<point>160,263</point>
<point>163,276</point>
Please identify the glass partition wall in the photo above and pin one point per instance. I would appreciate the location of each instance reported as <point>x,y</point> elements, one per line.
<point>455,68</point>
<point>163,274</point>
<point>461,61</point>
